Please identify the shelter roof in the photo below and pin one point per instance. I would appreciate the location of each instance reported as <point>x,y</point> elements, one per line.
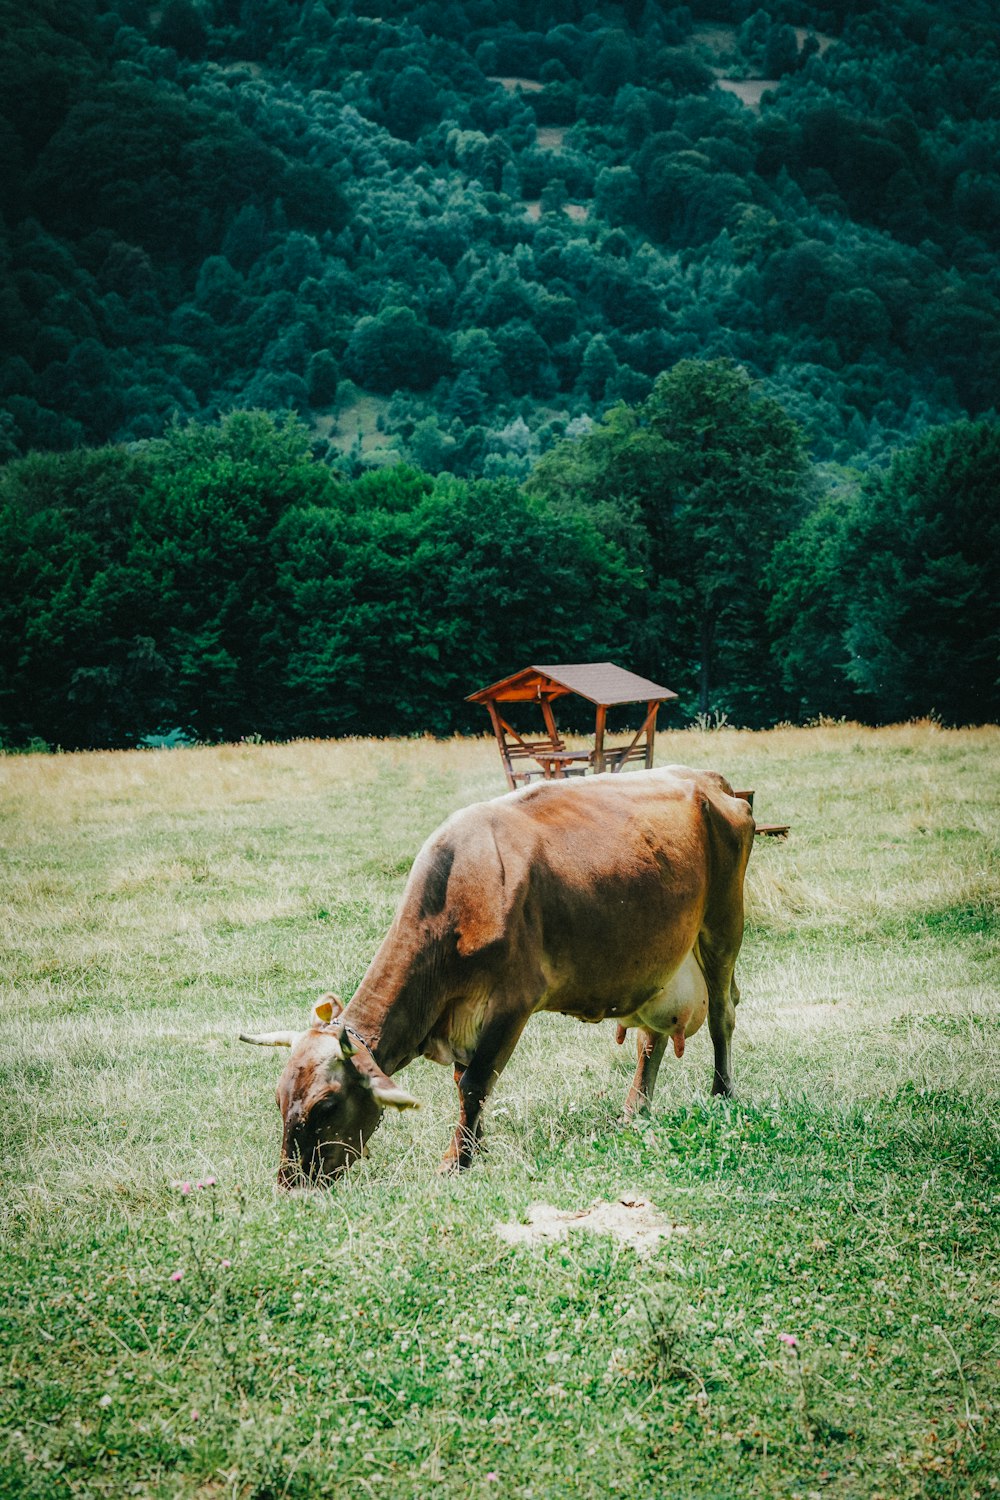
<point>600,681</point>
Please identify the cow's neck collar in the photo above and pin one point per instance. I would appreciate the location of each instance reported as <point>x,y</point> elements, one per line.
<point>352,1031</point>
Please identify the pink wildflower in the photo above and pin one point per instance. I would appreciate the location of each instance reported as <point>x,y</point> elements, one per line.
<point>185,1187</point>
<point>225,1263</point>
<point>176,1275</point>
<point>209,1182</point>
<point>493,1475</point>
<point>789,1340</point>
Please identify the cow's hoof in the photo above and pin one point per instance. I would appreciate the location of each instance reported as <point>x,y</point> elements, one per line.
<point>636,1116</point>
<point>451,1165</point>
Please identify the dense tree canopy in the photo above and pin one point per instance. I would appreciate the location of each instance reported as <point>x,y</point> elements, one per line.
<point>225,582</point>
<point>208,204</point>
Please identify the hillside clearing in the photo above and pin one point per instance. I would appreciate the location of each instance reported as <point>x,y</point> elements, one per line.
<point>749,90</point>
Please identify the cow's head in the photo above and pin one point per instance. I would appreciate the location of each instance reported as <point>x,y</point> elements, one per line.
<point>331,1096</point>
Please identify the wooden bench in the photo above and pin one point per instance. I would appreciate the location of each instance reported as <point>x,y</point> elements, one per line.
<point>551,757</point>
<point>767,830</point>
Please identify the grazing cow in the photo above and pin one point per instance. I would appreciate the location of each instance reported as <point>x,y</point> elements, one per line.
<point>613,896</point>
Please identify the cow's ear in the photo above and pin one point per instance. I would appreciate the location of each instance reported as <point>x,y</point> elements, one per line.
<point>483,887</point>
<point>326,1009</point>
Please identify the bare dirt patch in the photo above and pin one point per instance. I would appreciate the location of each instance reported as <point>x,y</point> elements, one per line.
<point>825,42</point>
<point>254,69</point>
<point>749,90</point>
<point>359,418</point>
<point>719,38</point>
<point>550,137</point>
<point>578,212</point>
<point>526,85</point>
<point>631,1221</point>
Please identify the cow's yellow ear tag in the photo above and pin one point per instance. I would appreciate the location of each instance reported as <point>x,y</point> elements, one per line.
<point>326,1008</point>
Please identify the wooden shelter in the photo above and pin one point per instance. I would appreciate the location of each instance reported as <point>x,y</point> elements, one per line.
<point>601,683</point>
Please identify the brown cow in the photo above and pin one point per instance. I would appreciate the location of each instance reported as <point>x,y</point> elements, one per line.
<point>610,896</point>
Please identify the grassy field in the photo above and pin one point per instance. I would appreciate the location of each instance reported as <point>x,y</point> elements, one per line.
<point>821,1329</point>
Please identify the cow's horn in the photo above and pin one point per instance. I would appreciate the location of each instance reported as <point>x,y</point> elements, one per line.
<point>361,1062</point>
<point>272,1038</point>
<point>326,1009</point>
<point>391,1096</point>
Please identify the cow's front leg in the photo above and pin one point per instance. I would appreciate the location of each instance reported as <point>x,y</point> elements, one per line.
<point>496,1043</point>
<point>465,1141</point>
<point>650,1055</point>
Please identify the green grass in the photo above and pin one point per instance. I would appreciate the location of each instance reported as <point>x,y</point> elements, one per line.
<point>380,1339</point>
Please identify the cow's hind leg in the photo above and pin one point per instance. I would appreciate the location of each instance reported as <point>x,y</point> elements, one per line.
<point>496,1042</point>
<point>650,1054</point>
<point>721,1020</point>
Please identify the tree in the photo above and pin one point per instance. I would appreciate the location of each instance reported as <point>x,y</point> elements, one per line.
<point>781,52</point>
<point>714,470</point>
<point>161,171</point>
<point>144,185</point>
<point>412,103</point>
<point>396,348</point>
<point>321,378</point>
<point>618,195</point>
<point>690,201</point>
<point>809,585</point>
<point>203,560</point>
<point>182,26</point>
<point>922,550</point>
<point>612,65</point>
<point>884,601</point>
<point>734,467</point>
<point>527,361</point>
<point>474,351</point>
<point>599,365</point>
<point>77,665</point>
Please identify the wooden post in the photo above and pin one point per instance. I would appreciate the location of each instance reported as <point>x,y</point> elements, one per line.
<point>502,742</point>
<point>550,725</point>
<point>652,710</point>
<point>602,714</point>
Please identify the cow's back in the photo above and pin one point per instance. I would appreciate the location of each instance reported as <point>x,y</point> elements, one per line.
<point>611,826</point>
<point>606,881</point>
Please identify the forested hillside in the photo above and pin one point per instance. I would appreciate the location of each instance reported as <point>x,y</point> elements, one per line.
<point>357,353</point>
<point>448,230</point>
